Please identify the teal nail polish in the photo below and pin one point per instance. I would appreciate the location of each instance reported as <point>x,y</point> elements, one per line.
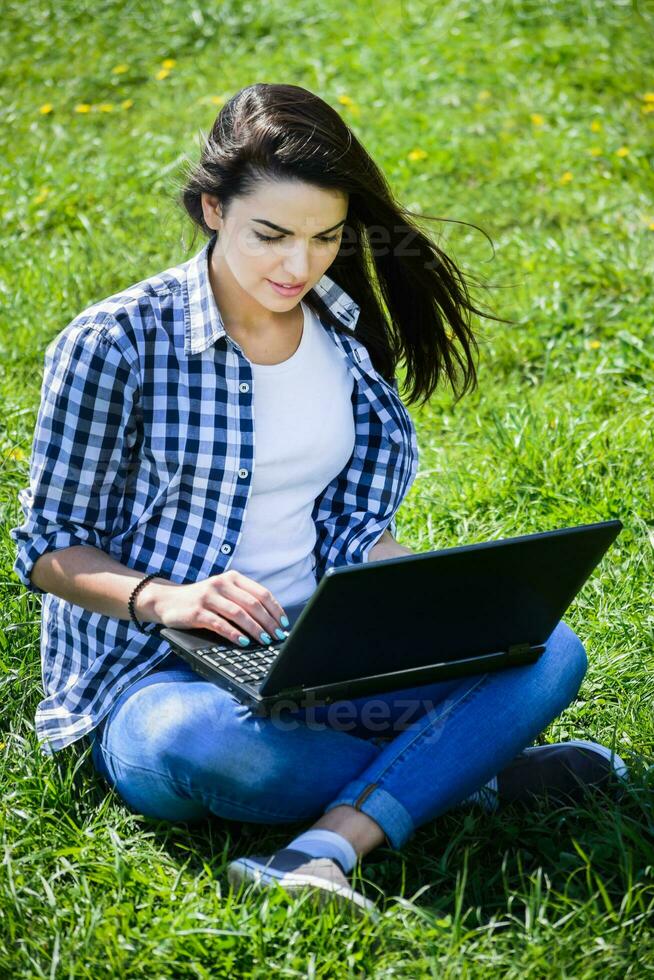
<point>280,635</point>
<point>244,640</point>
<point>265,637</point>
<point>284,621</point>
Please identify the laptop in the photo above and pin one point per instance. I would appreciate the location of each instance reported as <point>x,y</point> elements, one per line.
<point>403,622</point>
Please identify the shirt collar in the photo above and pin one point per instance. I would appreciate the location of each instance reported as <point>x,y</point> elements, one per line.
<point>203,324</point>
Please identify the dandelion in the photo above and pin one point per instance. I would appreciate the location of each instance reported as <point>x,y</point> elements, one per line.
<point>594,344</point>
<point>168,63</point>
<point>83,107</point>
<point>595,151</point>
<point>622,152</point>
<point>18,454</point>
<point>42,195</point>
<point>119,69</point>
<point>217,100</point>
<point>596,126</point>
<point>163,73</point>
<point>648,97</point>
<point>566,177</point>
<point>127,103</point>
<point>417,155</point>
<point>106,107</point>
<point>345,100</point>
<point>537,119</point>
<point>651,226</point>
<point>45,109</point>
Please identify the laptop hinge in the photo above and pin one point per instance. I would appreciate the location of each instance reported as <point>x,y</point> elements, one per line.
<point>517,649</point>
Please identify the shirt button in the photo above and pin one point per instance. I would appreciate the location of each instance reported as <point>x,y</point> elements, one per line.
<point>244,386</point>
<point>243,473</point>
<point>225,548</point>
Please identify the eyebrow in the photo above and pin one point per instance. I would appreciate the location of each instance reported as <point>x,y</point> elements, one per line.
<point>287,231</point>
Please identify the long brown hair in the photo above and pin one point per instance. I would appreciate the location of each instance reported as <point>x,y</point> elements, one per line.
<point>278,132</point>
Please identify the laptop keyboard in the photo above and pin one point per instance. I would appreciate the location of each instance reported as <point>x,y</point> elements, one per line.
<point>244,666</point>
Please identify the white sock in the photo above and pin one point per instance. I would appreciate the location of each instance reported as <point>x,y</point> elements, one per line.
<point>486,796</point>
<point>326,843</point>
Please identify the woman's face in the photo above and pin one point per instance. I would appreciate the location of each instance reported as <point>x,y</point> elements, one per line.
<point>287,232</point>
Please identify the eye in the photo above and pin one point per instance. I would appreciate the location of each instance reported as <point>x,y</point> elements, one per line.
<point>266,238</point>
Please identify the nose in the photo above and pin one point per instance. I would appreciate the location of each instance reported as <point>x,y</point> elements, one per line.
<point>296,266</point>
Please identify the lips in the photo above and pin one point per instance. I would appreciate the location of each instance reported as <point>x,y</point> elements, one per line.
<point>282,290</point>
<point>288,285</point>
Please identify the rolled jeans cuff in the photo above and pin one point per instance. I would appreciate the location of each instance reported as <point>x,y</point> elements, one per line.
<point>393,818</point>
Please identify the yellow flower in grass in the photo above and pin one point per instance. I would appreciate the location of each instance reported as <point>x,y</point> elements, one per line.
<point>163,73</point>
<point>127,104</point>
<point>622,152</point>
<point>594,344</point>
<point>46,108</point>
<point>106,107</point>
<point>119,69</point>
<point>83,107</point>
<point>350,103</point>
<point>648,97</point>
<point>595,151</point>
<point>648,107</point>
<point>537,119</point>
<point>15,453</point>
<point>42,195</point>
<point>168,63</point>
<point>596,126</point>
<point>651,226</point>
<point>417,155</point>
<point>565,178</point>
<point>217,100</point>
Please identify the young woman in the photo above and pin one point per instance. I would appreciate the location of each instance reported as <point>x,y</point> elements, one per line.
<point>209,441</point>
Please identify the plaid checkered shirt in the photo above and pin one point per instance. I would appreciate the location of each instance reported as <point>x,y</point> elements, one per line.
<point>144,448</point>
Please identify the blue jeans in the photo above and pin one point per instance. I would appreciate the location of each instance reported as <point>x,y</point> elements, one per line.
<point>178,747</point>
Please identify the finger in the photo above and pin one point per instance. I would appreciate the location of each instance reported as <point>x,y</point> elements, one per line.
<point>221,626</point>
<point>264,596</point>
<point>243,609</point>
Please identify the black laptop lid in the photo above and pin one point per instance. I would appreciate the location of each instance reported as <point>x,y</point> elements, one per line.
<point>438,606</point>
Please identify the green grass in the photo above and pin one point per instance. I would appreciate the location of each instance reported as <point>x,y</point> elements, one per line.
<point>558,433</point>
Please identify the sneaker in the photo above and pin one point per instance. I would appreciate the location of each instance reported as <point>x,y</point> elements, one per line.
<point>562,771</point>
<point>296,871</point>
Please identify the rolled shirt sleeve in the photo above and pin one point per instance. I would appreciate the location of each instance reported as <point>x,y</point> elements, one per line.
<point>82,448</point>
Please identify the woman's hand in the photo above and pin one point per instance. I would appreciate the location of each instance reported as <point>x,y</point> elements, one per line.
<point>230,604</point>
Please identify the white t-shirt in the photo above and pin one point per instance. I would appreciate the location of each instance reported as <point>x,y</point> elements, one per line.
<point>303,436</point>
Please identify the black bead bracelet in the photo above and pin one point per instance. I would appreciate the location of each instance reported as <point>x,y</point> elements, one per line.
<point>135,592</point>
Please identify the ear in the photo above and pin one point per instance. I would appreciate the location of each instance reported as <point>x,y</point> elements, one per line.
<point>211,211</point>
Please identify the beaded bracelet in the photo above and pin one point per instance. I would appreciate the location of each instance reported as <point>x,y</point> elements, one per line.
<point>130,603</point>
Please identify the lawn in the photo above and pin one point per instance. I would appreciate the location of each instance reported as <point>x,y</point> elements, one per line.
<point>533,122</point>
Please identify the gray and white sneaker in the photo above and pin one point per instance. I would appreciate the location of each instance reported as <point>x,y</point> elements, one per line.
<point>296,871</point>
<point>562,772</point>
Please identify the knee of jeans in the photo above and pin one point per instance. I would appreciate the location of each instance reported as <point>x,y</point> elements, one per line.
<point>149,724</point>
<point>217,742</point>
<point>571,656</point>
